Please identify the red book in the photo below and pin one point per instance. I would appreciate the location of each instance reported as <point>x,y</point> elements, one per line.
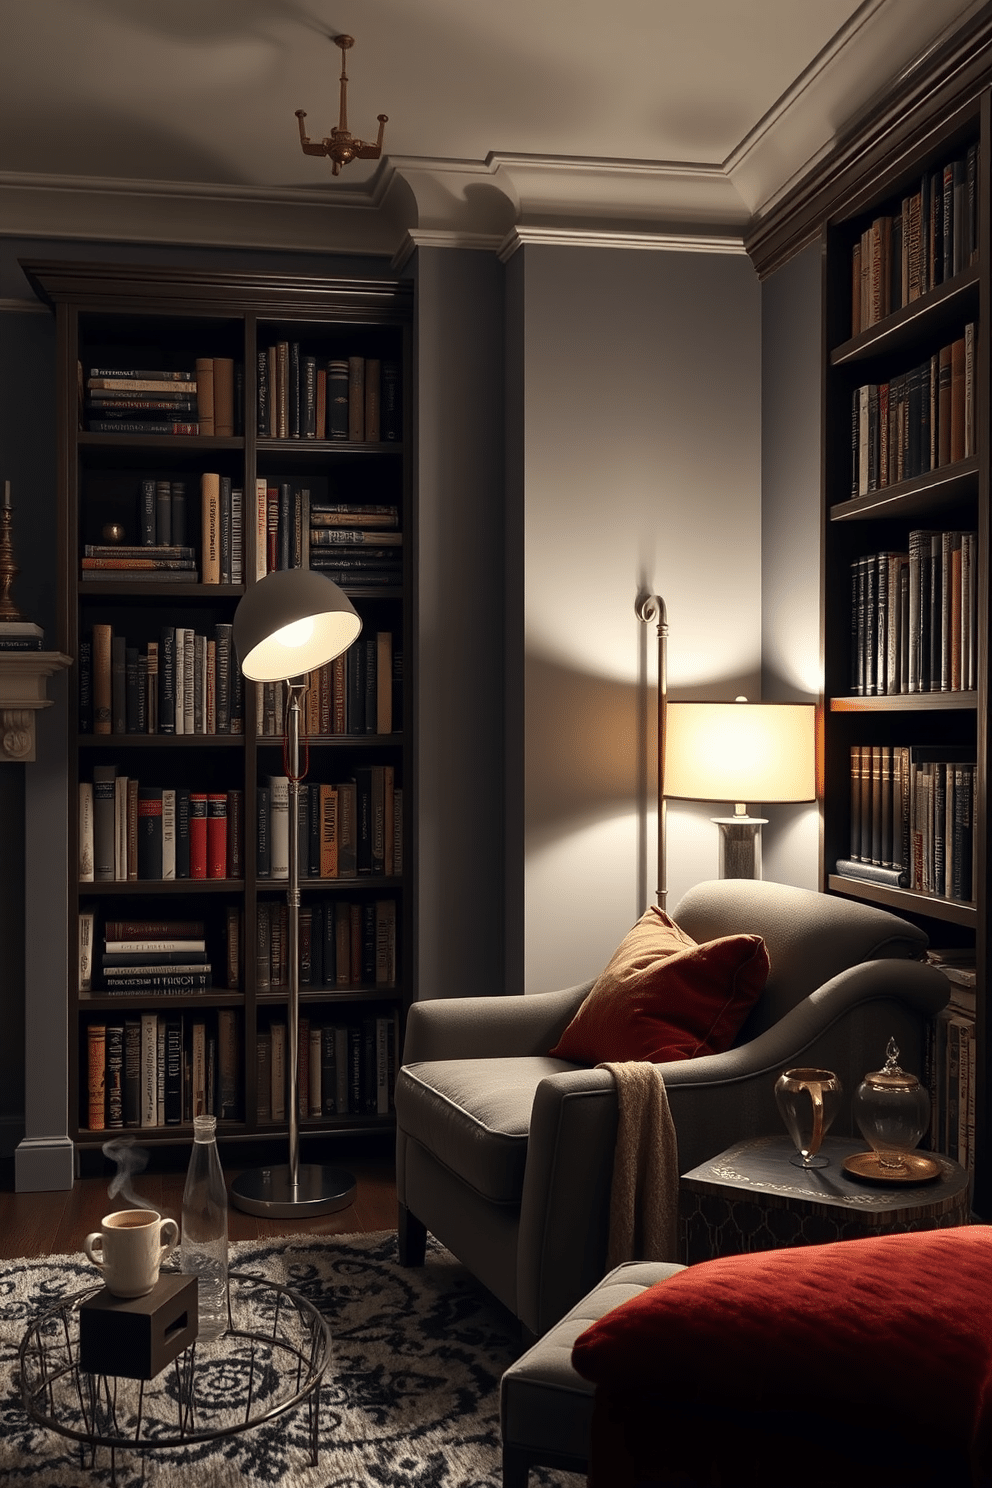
<point>197,834</point>
<point>217,834</point>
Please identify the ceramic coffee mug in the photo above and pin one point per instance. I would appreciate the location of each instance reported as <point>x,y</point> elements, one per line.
<point>129,1248</point>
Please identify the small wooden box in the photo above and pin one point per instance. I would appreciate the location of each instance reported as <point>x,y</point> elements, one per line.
<point>136,1337</point>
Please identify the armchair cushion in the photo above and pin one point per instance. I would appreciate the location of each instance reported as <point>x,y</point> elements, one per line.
<point>663,997</point>
<point>474,1116</point>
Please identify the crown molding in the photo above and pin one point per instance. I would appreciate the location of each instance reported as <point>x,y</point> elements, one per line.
<point>21,307</point>
<point>671,242</point>
<point>502,201</point>
<point>942,81</point>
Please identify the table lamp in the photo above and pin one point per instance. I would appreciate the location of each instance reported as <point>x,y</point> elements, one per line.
<point>740,752</point>
<point>289,623</point>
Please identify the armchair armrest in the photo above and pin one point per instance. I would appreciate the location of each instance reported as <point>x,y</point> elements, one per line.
<point>489,1027</point>
<point>919,987</point>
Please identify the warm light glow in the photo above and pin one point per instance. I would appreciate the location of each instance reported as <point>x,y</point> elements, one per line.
<point>296,634</point>
<point>741,752</point>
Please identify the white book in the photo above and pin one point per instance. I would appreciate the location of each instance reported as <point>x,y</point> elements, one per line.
<point>179,678</point>
<point>189,681</point>
<point>279,826</point>
<point>237,535</point>
<point>160,1070</point>
<point>86,873</point>
<point>120,827</point>
<point>261,529</point>
<point>149,1069</point>
<point>199,683</point>
<point>168,833</point>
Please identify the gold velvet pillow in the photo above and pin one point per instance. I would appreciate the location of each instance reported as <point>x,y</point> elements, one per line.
<point>664,997</point>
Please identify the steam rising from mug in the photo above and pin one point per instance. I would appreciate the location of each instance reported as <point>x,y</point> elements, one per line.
<point>130,1160</point>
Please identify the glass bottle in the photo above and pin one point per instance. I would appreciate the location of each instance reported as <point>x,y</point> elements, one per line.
<point>203,1246</point>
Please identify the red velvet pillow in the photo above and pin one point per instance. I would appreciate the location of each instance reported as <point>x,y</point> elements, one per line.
<point>664,997</point>
<point>890,1327</point>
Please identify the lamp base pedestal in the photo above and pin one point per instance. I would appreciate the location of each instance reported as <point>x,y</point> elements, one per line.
<point>269,1192</point>
<point>740,845</point>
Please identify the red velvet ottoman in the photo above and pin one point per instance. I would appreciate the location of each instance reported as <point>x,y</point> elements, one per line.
<point>865,1362</point>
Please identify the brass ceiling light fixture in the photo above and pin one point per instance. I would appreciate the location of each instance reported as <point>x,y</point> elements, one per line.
<point>341,145</point>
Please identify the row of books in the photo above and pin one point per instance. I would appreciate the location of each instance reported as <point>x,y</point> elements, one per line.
<point>152,1069</point>
<point>161,1069</point>
<point>298,526</point>
<point>207,398</point>
<point>345,1069</point>
<point>360,692</point>
<point>132,831</point>
<point>914,616</point>
<point>163,553</point>
<point>185,682</point>
<point>930,237</point>
<point>912,816</point>
<point>164,957</point>
<point>916,422</point>
<point>347,829</point>
<point>304,396</point>
<point>343,943</point>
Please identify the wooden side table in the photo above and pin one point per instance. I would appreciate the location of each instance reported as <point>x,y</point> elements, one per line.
<point>751,1198</point>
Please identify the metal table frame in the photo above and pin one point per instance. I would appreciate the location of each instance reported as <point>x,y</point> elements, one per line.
<point>91,1409</point>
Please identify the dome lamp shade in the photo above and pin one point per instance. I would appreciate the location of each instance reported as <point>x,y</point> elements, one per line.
<point>291,622</point>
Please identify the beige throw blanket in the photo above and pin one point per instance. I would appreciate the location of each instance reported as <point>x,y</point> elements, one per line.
<point>645,1194</point>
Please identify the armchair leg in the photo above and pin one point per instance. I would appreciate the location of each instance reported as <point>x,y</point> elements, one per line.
<point>411,1237</point>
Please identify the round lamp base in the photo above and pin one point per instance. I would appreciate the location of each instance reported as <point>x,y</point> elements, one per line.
<point>268,1191</point>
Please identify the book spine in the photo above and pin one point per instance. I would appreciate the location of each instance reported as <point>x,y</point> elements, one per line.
<point>96,1071</point>
<point>197,834</point>
<point>217,834</point>
<point>210,484</point>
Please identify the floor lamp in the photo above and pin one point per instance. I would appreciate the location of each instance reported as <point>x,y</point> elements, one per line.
<point>289,623</point>
<point>736,752</point>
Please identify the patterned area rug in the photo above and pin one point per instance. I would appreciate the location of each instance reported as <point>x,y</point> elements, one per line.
<point>410,1399</point>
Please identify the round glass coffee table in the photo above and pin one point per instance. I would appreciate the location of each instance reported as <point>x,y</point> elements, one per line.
<point>271,1360</point>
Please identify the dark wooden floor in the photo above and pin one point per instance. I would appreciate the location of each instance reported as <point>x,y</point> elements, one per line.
<point>36,1224</point>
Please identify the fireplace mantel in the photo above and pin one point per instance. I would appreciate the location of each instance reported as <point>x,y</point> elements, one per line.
<point>23,690</point>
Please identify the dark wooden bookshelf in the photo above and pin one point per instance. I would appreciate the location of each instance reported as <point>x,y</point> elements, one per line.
<point>955,496</point>
<point>111,315</point>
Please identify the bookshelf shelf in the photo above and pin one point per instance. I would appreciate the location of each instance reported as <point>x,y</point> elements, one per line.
<point>947,486</point>
<point>905,598</point>
<point>940,309</point>
<point>230,505</point>
<point>910,702</point>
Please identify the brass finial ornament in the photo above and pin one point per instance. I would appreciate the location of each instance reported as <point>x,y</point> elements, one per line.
<point>341,145</point>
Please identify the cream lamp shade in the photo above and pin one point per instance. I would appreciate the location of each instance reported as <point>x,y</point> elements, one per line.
<point>291,622</point>
<point>741,751</point>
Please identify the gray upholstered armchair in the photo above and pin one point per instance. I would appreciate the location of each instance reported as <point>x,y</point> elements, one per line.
<point>506,1155</point>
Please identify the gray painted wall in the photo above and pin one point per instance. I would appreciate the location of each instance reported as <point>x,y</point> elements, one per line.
<point>459,606</point>
<point>790,531</point>
<point>640,458</point>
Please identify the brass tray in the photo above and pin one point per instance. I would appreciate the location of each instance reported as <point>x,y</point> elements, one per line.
<point>919,1169</point>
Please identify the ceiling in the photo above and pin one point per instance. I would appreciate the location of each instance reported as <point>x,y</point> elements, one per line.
<point>646,118</point>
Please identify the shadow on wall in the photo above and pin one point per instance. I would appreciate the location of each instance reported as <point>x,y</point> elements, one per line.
<point>587,745</point>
